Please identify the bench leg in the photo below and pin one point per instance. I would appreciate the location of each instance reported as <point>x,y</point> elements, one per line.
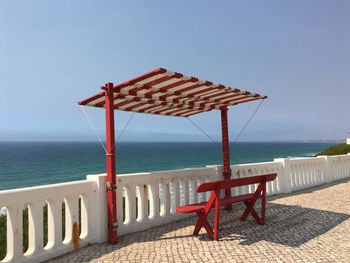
<point>217,218</point>
<point>263,205</point>
<point>250,207</point>
<point>246,211</point>
<point>202,222</point>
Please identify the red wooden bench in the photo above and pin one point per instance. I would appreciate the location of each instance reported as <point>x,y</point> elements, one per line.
<point>203,209</point>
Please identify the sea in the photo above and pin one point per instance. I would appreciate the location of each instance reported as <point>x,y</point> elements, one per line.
<point>24,164</point>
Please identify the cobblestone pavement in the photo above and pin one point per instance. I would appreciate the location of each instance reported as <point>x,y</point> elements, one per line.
<point>307,226</point>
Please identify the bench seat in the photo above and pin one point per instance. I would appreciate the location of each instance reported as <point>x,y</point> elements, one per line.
<point>201,206</point>
<point>191,208</point>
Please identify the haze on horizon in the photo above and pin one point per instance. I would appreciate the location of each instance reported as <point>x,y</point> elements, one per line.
<point>53,54</point>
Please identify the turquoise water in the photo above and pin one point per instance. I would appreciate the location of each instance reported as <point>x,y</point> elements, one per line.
<point>36,163</point>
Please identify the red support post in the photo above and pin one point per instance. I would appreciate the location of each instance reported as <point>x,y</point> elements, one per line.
<point>225,151</point>
<point>110,164</point>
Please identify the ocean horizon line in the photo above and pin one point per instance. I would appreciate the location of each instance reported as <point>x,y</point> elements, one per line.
<point>85,141</point>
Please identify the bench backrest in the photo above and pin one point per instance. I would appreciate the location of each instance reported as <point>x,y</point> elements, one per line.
<point>227,184</point>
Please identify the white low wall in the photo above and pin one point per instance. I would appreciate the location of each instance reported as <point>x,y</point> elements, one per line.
<point>144,200</point>
<point>53,195</point>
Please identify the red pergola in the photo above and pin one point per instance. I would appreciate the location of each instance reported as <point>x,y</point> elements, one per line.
<point>162,92</point>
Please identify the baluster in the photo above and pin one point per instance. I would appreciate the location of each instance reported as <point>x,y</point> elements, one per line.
<point>306,174</point>
<point>154,200</point>
<point>296,173</point>
<point>54,223</point>
<point>120,209</point>
<point>72,216</point>
<point>272,186</point>
<point>301,174</point>
<point>292,177</point>
<point>312,174</point>
<point>207,194</point>
<point>245,189</point>
<point>35,228</point>
<point>174,196</point>
<point>299,169</point>
<point>201,196</point>
<point>268,188</point>
<point>337,168</point>
<point>14,233</point>
<point>316,174</point>
<point>141,204</point>
<point>164,197</point>
<point>127,211</point>
<point>295,177</point>
<point>333,170</point>
<point>131,200</point>
<point>184,192</point>
<point>193,198</point>
<point>167,198</point>
<point>84,208</point>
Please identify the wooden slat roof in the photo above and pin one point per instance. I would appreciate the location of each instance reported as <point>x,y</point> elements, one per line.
<point>164,92</point>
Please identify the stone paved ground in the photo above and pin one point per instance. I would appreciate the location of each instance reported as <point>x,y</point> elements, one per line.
<point>307,226</point>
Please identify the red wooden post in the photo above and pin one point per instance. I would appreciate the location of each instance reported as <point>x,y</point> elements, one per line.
<point>110,164</point>
<point>225,151</point>
<point>263,203</point>
<point>217,215</point>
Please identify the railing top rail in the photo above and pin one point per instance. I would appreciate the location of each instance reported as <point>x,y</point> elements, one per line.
<point>140,178</point>
<point>256,164</point>
<point>45,192</point>
<point>307,159</point>
<point>169,171</point>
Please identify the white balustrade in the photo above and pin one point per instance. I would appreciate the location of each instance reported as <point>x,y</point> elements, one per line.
<point>306,172</point>
<point>158,194</point>
<point>34,199</point>
<point>144,200</point>
<point>246,170</point>
<point>339,166</point>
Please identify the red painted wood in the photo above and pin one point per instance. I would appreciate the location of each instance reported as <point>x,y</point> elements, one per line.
<point>172,103</point>
<point>222,98</point>
<point>110,163</point>
<point>263,205</point>
<point>203,209</point>
<point>116,96</point>
<point>151,83</point>
<point>247,180</point>
<point>192,87</point>
<point>216,214</point>
<point>242,100</point>
<point>225,152</point>
<point>92,98</point>
<point>125,102</point>
<point>233,95</point>
<point>124,84</point>
<point>170,86</point>
<point>140,78</point>
<point>205,187</point>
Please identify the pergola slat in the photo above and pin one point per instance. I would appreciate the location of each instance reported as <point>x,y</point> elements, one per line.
<point>165,92</point>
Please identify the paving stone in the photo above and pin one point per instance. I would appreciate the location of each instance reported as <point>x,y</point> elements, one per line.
<point>307,226</point>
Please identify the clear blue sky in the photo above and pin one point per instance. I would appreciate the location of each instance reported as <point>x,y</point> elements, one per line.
<point>53,54</point>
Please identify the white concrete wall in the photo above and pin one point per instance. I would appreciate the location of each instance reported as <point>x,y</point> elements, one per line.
<point>348,141</point>
<point>155,195</point>
<point>53,195</point>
